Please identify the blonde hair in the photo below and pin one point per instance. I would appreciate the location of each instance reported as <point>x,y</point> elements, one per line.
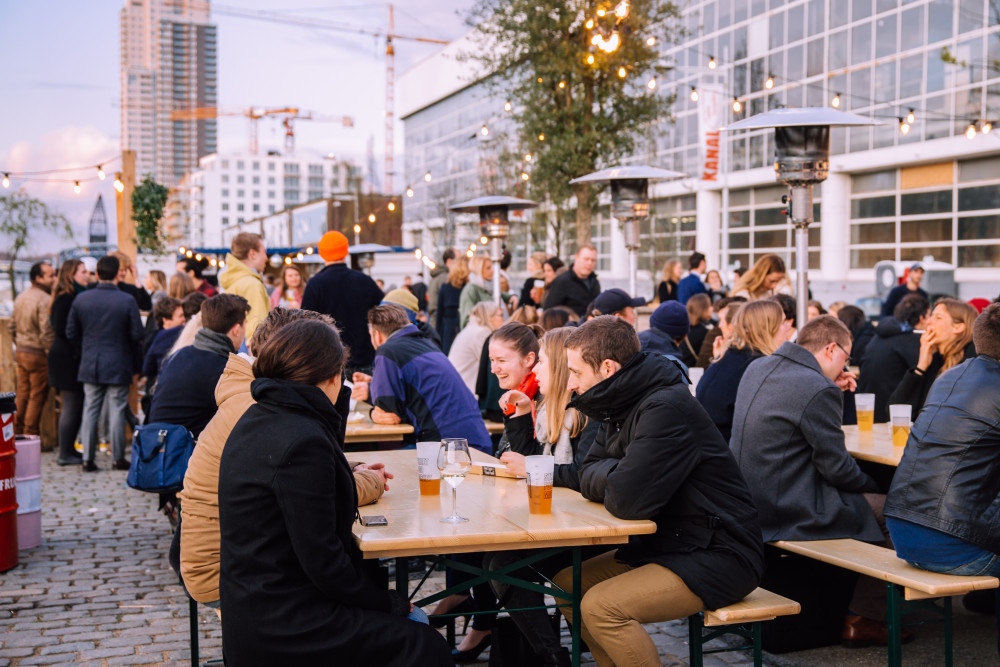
<point>483,313</point>
<point>124,261</point>
<point>477,263</point>
<point>755,325</point>
<point>458,274</point>
<point>553,344</point>
<point>187,334</point>
<point>525,315</point>
<point>539,258</point>
<point>753,280</point>
<point>181,284</point>
<point>668,270</point>
<point>960,313</point>
<point>159,280</point>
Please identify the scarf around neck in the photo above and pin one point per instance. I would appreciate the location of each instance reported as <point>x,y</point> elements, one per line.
<point>214,342</point>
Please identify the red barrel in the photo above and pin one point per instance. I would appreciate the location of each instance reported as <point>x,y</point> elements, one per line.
<point>8,486</point>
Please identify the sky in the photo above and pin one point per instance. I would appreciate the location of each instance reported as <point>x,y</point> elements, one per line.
<point>60,85</point>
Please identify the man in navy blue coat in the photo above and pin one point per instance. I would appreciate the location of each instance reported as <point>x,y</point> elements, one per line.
<point>105,322</point>
<point>692,284</point>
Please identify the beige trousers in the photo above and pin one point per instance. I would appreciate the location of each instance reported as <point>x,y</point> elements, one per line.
<point>618,599</point>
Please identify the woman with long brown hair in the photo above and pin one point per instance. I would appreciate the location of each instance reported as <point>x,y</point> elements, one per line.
<point>288,291</point>
<point>449,297</point>
<point>293,586</point>
<point>64,358</point>
<point>945,343</point>
<point>756,333</point>
<point>181,284</point>
<point>764,279</point>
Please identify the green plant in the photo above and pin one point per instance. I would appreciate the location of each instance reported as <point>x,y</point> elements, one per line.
<point>148,200</point>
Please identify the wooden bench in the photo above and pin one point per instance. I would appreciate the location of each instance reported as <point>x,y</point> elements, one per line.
<point>742,618</point>
<point>907,588</point>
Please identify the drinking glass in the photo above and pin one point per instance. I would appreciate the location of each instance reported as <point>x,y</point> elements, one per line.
<point>865,404</point>
<point>899,418</point>
<point>427,470</point>
<point>454,463</point>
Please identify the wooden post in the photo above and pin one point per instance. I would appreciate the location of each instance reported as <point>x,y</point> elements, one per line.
<point>123,206</point>
<point>8,372</point>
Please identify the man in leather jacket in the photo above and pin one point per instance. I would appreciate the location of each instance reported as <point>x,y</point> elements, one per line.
<point>657,456</point>
<point>942,506</point>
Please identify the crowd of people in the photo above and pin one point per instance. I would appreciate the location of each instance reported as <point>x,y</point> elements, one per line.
<point>262,376</point>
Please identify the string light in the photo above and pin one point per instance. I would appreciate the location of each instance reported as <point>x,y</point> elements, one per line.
<point>970,132</point>
<point>621,10</point>
<point>609,45</point>
<point>737,106</point>
<point>910,117</point>
<point>189,254</point>
<point>288,260</point>
<point>469,254</point>
<point>182,250</point>
<point>357,229</point>
<point>562,84</point>
<point>427,177</point>
<point>299,256</point>
<point>472,247</point>
<point>213,262</point>
<point>541,137</point>
<point>483,240</point>
<point>222,263</point>
<point>987,127</point>
<point>527,157</point>
<point>651,41</point>
<point>120,186</point>
<point>651,84</point>
<point>904,127</point>
<point>601,12</point>
<point>485,131</point>
<point>409,191</point>
<point>769,84</point>
<point>835,102</point>
<point>391,206</point>
<point>371,217</point>
<point>198,256</point>
<point>621,72</point>
<point>711,62</point>
<point>694,94</point>
<point>524,176</point>
<point>589,24</point>
<point>507,106</point>
<point>76,187</point>
<point>418,253</point>
<point>309,250</point>
<point>100,172</point>
<point>590,59</point>
<point>6,180</point>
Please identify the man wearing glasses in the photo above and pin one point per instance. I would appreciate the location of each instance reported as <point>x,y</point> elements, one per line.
<point>789,443</point>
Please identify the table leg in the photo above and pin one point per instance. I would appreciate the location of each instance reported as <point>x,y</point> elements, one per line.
<point>402,576</point>
<point>577,596</point>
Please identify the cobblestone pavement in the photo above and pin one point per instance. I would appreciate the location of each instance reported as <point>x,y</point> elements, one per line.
<point>99,591</point>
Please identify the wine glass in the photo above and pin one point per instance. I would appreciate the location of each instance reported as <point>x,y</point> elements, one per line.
<point>454,463</point>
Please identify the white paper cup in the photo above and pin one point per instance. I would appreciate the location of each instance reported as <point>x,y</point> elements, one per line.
<point>427,470</point>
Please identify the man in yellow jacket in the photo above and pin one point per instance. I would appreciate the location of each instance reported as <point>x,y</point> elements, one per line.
<point>242,277</point>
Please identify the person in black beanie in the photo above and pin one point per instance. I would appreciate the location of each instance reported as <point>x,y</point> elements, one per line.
<point>667,333</point>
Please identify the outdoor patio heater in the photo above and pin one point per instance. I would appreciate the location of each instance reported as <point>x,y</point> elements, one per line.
<point>801,159</point>
<point>630,203</point>
<point>494,225</point>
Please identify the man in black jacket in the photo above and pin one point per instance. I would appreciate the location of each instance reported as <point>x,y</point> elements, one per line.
<point>893,351</point>
<point>345,295</point>
<point>941,508</point>
<point>657,456</point>
<point>579,286</point>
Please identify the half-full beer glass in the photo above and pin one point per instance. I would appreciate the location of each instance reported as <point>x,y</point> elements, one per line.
<point>427,470</point>
<point>539,471</point>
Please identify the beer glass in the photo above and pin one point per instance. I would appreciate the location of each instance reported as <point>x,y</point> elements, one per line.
<point>539,471</point>
<point>454,462</point>
<point>865,404</point>
<point>899,418</point>
<point>427,470</point>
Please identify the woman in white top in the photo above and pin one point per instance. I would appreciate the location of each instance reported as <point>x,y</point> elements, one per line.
<point>766,278</point>
<point>467,347</point>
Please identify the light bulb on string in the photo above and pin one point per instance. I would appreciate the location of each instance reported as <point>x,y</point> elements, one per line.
<point>622,73</point>
<point>119,186</point>
<point>970,132</point>
<point>427,177</point>
<point>910,117</point>
<point>711,62</point>
<point>357,229</point>
<point>601,12</point>
<point>483,240</point>
<point>650,41</point>
<point>418,253</point>
<point>299,256</point>
<point>309,250</point>
<point>182,250</point>
<point>562,84</point>
<point>409,191</point>
<point>769,84</point>
<point>189,254</point>
<point>651,84</point>
<point>391,206</point>
<point>524,176</point>
<point>288,260</point>
<point>737,106</point>
<point>590,59</point>
<point>904,127</point>
<point>197,256</point>
<point>469,254</point>
<point>987,127</point>
<point>100,172</point>
<point>76,187</point>
<point>527,157</point>
<point>835,102</point>
<point>472,247</point>
<point>485,131</point>
<point>6,180</point>
<point>589,25</point>
<point>694,94</point>
<point>621,10</point>
<point>371,217</point>
<point>507,106</point>
<point>541,137</point>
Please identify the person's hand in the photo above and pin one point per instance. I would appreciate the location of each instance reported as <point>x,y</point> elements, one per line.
<point>380,416</point>
<point>513,302</point>
<point>359,392</point>
<point>361,377</point>
<point>520,401</point>
<point>928,346</point>
<point>846,381</point>
<point>377,468</point>
<point>514,463</point>
<point>718,346</point>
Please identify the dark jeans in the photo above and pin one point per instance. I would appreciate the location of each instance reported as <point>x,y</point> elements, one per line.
<point>70,417</point>
<point>483,599</point>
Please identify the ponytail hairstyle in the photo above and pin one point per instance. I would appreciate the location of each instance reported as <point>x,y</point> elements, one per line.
<point>523,338</point>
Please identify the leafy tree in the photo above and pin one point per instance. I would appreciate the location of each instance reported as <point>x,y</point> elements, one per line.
<point>22,215</point>
<point>578,107</point>
<point>148,200</point>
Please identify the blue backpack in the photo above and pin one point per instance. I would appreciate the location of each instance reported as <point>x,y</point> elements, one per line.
<point>160,454</point>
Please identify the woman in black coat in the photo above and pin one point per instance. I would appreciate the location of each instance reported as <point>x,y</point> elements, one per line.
<point>64,358</point>
<point>449,296</point>
<point>294,589</point>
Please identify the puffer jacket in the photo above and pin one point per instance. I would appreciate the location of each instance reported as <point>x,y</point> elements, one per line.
<point>949,477</point>
<point>658,456</point>
<point>241,280</point>
<point>200,549</point>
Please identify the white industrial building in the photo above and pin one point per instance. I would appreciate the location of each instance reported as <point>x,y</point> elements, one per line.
<point>929,192</point>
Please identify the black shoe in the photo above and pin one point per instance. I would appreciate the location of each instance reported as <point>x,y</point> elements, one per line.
<point>90,466</point>
<point>122,464</point>
<point>74,460</point>
<point>473,653</point>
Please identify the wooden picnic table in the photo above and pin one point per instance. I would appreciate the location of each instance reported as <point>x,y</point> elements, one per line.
<point>366,430</point>
<point>875,445</point>
<point>497,509</point>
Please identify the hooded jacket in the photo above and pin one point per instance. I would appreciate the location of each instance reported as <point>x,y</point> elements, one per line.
<point>893,351</point>
<point>658,456</point>
<point>294,588</point>
<point>241,280</point>
<point>200,495</point>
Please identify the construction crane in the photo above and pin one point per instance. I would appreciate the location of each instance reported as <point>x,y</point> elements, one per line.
<point>254,114</point>
<point>389,34</point>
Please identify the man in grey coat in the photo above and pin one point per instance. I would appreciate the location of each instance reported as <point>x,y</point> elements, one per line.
<point>105,322</point>
<point>788,441</point>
